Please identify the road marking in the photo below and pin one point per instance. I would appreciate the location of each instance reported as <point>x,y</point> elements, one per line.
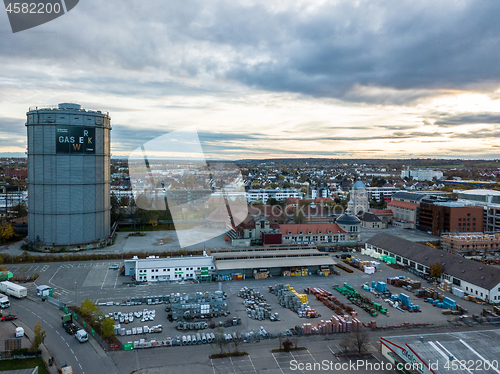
<point>66,343</point>
<point>76,357</point>
<point>252,364</point>
<point>50,280</point>
<point>116,280</point>
<point>277,363</point>
<point>333,353</point>
<point>104,278</point>
<point>71,350</point>
<point>311,355</point>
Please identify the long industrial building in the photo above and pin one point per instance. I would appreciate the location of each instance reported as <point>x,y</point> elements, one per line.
<point>233,263</point>
<point>68,177</point>
<point>474,278</point>
<point>275,260</point>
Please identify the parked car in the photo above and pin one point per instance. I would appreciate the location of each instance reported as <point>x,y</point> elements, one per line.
<point>8,317</point>
<point>114,267</point>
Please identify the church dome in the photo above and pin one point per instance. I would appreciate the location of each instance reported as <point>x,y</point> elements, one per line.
<point>346,219</point>
<point>359,186</point>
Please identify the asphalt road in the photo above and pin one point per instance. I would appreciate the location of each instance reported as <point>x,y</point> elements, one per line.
<point>84,358</point>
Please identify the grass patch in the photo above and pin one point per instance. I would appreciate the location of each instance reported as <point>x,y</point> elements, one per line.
<point>25,363</point>
<point>228,354</point>
<point>160,227</point>
<point>290,349</point>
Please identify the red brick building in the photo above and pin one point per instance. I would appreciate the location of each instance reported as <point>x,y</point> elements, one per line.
<point>442,217</point>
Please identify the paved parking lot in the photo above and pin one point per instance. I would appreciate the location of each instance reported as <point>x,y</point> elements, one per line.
<point>233,365</point>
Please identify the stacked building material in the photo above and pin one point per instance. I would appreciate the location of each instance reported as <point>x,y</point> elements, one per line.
<point>369,270</point>
<point>407,304</point>
<point>337,324</point>
<point>446,286</point>
<point>198,305</point>
<point>457,292</point>
<point>256,304</point>
<point>380,286</point>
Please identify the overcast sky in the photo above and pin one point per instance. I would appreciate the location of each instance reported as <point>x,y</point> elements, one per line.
<point>264,79</point>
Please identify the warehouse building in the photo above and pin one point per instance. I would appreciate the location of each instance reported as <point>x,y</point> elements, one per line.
<point>274,260</point>
<point>154,269</point>
<point>474,278</point>
<point>443,352</point>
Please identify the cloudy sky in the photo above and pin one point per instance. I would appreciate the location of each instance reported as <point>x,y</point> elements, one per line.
<point>264,79</point>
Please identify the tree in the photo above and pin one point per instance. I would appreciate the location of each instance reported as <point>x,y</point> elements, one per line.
<point>108,327</point>
<point>287,345</point>
<point>220,339</point>
<point>38,338</point>
<point>236,341</point>
<point>6,232</point>
<point>21,210</point>
<point>436,270</point>
<point>295,341</point>
<point>87,307</point>
<point>359,339</point>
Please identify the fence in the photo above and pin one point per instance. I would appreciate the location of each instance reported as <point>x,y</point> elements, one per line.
<point>106,346</point>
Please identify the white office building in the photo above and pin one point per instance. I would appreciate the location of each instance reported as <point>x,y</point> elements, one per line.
<point>421,174</point>
<point>170,269</point>
<point>278,194</point>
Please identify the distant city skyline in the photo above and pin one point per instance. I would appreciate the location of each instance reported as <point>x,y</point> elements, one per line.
<point>330,79</point>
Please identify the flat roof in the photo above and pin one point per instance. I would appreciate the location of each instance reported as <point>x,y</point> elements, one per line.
<point>481,192</point>
<point>175,261</point>
<point>281,253</point>
<point>438,347</point>
<point>266,263</point>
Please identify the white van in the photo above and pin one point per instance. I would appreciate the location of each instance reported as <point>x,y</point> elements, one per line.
<point>81,336</point>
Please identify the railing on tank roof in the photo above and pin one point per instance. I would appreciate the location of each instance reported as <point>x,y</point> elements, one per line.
<point>56,107</point>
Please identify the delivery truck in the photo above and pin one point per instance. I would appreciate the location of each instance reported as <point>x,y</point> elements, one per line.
<point>13,289</point>
<point>4,301</point>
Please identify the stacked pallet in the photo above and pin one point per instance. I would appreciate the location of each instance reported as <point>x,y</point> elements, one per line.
<point>337,324</point>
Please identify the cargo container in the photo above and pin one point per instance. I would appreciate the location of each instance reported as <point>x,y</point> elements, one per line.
<point>13,289</point>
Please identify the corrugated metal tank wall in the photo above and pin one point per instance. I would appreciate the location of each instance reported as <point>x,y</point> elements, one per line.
<point>68,194</point>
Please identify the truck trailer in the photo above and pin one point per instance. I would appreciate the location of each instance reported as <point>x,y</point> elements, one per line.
<point>4,301</point>
<point>13,289</point>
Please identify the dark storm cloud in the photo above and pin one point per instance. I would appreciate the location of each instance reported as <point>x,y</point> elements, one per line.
<point>13,126</point>
<point>447,120</point>
<point>12,134</point>
<point>343,49</point>
<point>478,134</point>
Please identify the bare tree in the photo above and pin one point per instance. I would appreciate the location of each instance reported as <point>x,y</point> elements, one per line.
<point>236,341</point>
<point>295,341</point>
<point>220,339</point>
<point>345,343</point>
<point>359,339</point>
